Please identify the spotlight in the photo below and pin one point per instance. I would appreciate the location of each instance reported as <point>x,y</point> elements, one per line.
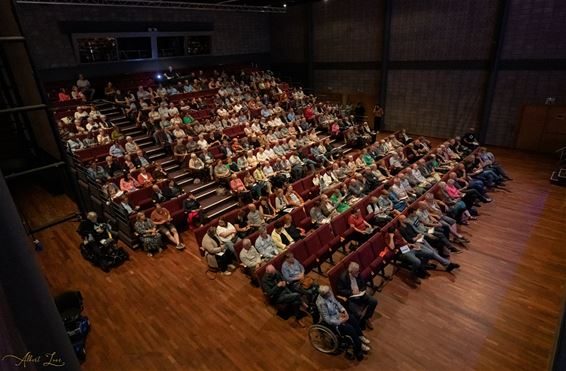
<point>284,5</point>
<point>158,76</point>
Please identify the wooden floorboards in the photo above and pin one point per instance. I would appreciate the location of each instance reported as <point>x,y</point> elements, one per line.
<point>499,312</point>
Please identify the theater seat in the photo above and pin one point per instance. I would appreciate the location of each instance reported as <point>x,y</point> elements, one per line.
<point>301,253</point>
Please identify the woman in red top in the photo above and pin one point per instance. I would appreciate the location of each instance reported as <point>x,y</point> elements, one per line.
<point>144,178</point>
<point>309,113</point>
<point>63,96</point>
<point>362,229</point>
<point>128,184</point>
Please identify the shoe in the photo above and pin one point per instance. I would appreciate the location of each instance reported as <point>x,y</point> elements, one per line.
<point>416,280</point>
<point>226,273</point>
<point>179,247</point>
<point>364,340</point>
<point>149,254</point>
<point>450,267</point>
<point>160,250</point>
<point>473,217</point>
<point>365,348</point>
<point>369,326</point>
<point>430,266</point>
<point>231,267</point>
<point>360,356</point>
<point>487,200</point>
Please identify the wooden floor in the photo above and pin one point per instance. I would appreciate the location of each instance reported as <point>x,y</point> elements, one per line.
<point>500,311</point>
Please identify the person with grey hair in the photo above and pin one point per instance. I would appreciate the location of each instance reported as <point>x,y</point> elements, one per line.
<point>251,259</point>
<point>360,303</point>
<point>335,315</point>
<point>265,245</point>
<point>131,146</point>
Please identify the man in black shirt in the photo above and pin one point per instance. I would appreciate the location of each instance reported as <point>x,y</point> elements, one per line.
<point>469,139</point>
<point>275,287</point>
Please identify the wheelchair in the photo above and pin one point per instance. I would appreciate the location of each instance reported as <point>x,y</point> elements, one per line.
<point>328,340</point>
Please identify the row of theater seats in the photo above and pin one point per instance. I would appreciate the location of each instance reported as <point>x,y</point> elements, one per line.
<point>321,244</point>
<point>374,254</point>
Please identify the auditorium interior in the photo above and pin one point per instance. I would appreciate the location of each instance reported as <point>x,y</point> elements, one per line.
<point>282,185</point>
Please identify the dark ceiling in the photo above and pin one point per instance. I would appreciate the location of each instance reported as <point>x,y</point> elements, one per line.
<point>272,3</point>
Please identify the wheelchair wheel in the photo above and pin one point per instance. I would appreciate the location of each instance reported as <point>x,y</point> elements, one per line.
<point>323,339</point>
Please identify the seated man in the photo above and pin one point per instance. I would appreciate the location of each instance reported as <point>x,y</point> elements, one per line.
<point>360,303</point>
<point>265,245</point>
<point>92,230</point>
<point>251,259</point>
<point>275,287</point>
<point>379,215</point>
<point>161,217</point>
<point>294,273</point>
<point>217,254</point>
<point>280,236</point>
<point>317,216</point>
<point>334,314</point>
<point>417,255</point>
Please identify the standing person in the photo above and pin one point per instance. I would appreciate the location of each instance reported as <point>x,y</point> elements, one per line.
<point>377,118</point>
<point>359,112</point>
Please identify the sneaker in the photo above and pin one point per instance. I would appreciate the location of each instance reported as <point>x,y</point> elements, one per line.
<point>226,273</point>
<point>364,340</point>
<point>149,254</point>
<point>231,267</point>
<point>365,348</point>
<point>179,247</point>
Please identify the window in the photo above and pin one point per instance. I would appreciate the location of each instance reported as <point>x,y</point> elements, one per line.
<point>134,47</point>
<point>170,46</point>
<point>97,49</point>
<point>198,45</point>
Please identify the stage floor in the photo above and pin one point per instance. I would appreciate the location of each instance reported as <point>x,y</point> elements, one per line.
<point>500,311</point>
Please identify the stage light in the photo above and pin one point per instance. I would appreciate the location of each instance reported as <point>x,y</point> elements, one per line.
<point>158,76</point>
<point>284,5</point>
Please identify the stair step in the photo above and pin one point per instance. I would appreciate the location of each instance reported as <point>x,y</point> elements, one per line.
<point>221,207</point>
<point>171,167</point>
<point>156,156</point>
<point>201,187</point>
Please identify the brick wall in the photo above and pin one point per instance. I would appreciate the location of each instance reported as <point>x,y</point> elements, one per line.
<point>513,90</point>
<point>436,103</point>
<point>347,30</point>
<point>346,81</point>
<point>289,36</point>
<point>234,32</point>
<point>442,29</point>
<point>536,30</point>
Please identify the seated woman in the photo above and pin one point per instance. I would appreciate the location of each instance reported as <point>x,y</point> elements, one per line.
<point>149,237</point>
<point>266,208</point>
<point>144,178</point>
<point>193,209</point>
<point>337,200</point>
<point>238,187</point>
<point>128,184</point>
<point>221,172</point>
<point>197,168</point>
<point>241,224</point>
<point>161,217</point>
<point>280,201</point>
<point>293,198</point>
<point>457,208</point>
<point>295,232</point>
